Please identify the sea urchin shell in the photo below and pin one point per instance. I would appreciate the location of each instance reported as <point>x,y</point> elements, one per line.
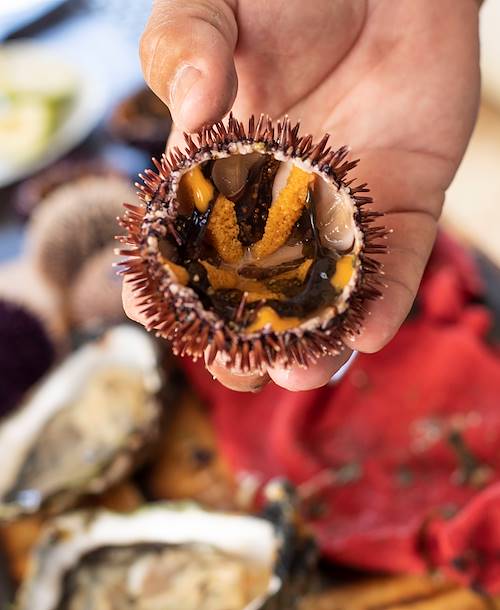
<point>26,353</point>
<point>252,246</point>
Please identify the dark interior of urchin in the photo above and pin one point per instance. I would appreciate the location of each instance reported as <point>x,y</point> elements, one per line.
<point>250,265</point>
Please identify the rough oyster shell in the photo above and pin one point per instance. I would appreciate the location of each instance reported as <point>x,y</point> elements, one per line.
<point>167,555</point>
<point>82,427</point>
<point>210,306</point>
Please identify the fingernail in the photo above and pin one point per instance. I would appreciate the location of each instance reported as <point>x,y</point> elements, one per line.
<point>182,84</point>
<point>343,369</point>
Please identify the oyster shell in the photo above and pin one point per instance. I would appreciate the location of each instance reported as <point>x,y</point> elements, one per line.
<point>265,202</point>
<point>167,556</point>
<point>82,427</point>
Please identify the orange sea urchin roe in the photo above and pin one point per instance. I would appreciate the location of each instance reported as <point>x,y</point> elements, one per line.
<point>195,189</point>
<point>181,275</point>
<point>249,243</point>
<point>267,316</point>
<point>223,230</point>
<point>225,279</point>
<point>343,272</point>
<point>284,213</point>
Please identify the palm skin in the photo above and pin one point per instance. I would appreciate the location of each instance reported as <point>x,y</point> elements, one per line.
<point>397,81</point>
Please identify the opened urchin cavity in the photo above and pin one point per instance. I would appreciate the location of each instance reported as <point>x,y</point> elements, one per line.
<point>252,246</point>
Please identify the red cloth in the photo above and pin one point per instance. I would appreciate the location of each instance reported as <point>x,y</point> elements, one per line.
<point>381,456</point>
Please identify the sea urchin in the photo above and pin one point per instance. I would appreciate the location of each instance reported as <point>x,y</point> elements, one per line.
<point>252,245</point>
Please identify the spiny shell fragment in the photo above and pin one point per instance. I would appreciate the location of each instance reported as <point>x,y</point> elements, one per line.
<point>253,246</point>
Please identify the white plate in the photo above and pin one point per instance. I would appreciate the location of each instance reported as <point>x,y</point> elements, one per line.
<point>83,115</point>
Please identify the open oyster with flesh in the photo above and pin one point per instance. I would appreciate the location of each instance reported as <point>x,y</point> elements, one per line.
<point>167,557</point>
<point>254,244</point>
<point>83,427</point>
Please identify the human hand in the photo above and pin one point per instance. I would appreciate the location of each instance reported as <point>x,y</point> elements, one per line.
<point>397,81</point>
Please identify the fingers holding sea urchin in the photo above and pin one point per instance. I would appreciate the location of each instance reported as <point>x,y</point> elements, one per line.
<point>187,59</point>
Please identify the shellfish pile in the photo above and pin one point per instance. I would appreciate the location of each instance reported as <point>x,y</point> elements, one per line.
<point>253,244</point>
<point>69,451</point>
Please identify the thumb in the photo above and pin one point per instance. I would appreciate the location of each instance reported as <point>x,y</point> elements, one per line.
<point>187,59</point>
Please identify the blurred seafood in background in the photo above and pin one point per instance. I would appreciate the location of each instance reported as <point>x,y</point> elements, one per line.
<point>19,537</point>
<point>171,556</point>
<point>47,106</point>
<point>83,427</point>
<point>188,463</point>
<point>21,283</point>
<point>33,191</point>
<point>95,296</point>
<point>74,222</point>
<point>32,335</point>
<point>142,120</point>
<point>73,426</point>
<point>34,353</point>
<point>70,238</point>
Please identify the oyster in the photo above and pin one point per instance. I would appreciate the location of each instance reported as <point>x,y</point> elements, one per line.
<point>81,429</point>
<point>166,556</point>
<point>254,244</point>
